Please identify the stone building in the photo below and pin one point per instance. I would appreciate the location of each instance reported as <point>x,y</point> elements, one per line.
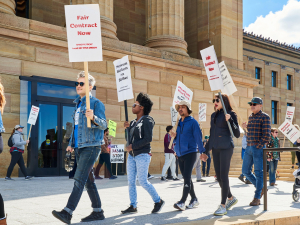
<point>162,38</point>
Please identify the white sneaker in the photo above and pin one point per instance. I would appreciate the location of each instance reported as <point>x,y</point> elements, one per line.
<point>180,206</point>
<point>150,177</point>
<point>220,211</point>
<point>193,203</point>
<point>231,203</point>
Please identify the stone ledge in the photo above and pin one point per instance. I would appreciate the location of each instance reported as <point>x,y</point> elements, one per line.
<point>274,218</point>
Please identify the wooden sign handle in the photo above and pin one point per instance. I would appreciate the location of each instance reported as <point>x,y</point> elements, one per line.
<point>87,91</point>
<point>29,133</point>
<point>175,128</point>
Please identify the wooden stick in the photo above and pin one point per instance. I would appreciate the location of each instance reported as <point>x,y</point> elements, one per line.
<point>87,91</point>
<point>283,141</point>
<point>29,133</point>
<point>175,128</point>
<point>238,111</point>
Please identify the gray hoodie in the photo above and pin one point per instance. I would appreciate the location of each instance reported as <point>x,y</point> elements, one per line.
<point>18,140</point>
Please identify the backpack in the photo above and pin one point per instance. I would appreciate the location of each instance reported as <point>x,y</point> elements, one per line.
<point>10,141</point>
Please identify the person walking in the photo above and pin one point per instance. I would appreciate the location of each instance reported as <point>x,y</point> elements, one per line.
<point>273,157</point>
<point>86,143</point>
<point>16,152</point>
<point>188,137</point>
<point>104,157</point>
<point>197,165</point>
<point>221,143</point>
<point>170,156</point>
<point>208,161</point>
<point>2,130</point>
<point>259,132</point>
<point>140,137</point>
<point>244,146</point>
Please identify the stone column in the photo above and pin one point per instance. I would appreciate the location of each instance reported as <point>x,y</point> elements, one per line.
<point>8,6</point>
<point>165,26</point>
<point>108,27</point>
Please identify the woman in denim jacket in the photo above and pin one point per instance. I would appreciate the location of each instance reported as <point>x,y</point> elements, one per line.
<point>2,130</point>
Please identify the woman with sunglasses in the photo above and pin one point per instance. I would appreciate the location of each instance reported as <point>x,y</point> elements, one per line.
<point>273,157</point>
<point>221,143</point>
<point>139,148</point>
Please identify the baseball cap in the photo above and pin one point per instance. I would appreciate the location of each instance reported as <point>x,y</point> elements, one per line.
<point>256,100</point>
<point>187,104</point>
<point>18,126</point>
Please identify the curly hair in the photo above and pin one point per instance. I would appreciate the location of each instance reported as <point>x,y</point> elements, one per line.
<point>145,101</point>
<point>2,98</point>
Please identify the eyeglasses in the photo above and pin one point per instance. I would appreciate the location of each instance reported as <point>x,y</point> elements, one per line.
<point>252,104</point>
<point>79,83</point>
<point>134,105</point>
<point>216,100</point>
<point>276,132</point>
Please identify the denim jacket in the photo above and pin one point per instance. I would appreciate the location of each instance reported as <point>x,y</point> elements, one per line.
<point>2,130</point>
<point>88,137</point>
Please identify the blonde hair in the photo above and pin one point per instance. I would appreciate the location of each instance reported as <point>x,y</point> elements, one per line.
<point>2,98</point>
<point>92,80</point>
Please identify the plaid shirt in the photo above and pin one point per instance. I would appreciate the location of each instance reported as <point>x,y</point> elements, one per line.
<point>259,129</point>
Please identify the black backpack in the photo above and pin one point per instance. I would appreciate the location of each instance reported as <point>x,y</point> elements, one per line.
<point>10,142</point>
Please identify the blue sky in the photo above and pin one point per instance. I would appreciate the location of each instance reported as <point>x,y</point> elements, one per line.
<point>255,8</point>
<point>277,19</point>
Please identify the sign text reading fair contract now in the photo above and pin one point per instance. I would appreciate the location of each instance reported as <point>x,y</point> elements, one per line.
<point>84,32</point>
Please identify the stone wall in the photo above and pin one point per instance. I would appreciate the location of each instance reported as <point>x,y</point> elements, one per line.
<point>272,58</point>
<point>29,47</point>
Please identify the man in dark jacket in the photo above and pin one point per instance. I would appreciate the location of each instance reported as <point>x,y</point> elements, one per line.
<point>188,137</point>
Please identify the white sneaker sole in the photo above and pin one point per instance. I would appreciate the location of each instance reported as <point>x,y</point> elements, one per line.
<point>220,214</point>
<point>177,207</point>
<point>190,207</point>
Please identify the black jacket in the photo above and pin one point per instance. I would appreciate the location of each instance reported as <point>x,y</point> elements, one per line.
<point>220,137</point>
<point>142,135</point>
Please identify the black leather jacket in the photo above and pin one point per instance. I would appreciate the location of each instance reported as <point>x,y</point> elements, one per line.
<point>220,137</point>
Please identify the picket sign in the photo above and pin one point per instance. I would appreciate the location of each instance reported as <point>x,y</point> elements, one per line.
<point>84,38</point>
<point>289,116</point>
<point>117,155</point>
<point>174,115</point>
<point>214,76</point>
<point>34,112</point>
<point>202,112</point>
<point>290,131</point>
<point>124,83</point>
<point>112,126</point>
<point>182,93</point>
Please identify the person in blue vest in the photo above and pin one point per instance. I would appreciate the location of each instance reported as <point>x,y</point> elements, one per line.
<point>86,142</point>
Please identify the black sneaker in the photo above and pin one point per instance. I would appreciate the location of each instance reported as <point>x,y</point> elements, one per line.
<point>158,206</point>
<point>94,216</point>
<point>63,216</point>
<point>129,210</point>
<point>163,178</point>
<point>28,178</point>
<point>175,178</point>
<point>241,178</point>
<point>8,178</point>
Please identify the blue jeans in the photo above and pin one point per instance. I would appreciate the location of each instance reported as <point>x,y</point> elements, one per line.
<point>85,158</point>
<point>272,171</point>
<point>138,166</point>
<point>208,161</point>
<point>254,156</point>
<point>242,154</point>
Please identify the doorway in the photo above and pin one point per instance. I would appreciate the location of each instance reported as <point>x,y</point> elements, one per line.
<point>50,135</point>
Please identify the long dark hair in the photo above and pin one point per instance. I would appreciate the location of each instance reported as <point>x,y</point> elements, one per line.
<point>226,101</point>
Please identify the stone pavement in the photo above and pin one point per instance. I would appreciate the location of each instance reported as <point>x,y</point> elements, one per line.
<point>31,202</point>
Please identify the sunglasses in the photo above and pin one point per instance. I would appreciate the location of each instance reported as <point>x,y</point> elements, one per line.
<point>134,105</point>
<point>252,104</point>
<point>79,83</point>
<point>216,100</point>
<point>276,132</point>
